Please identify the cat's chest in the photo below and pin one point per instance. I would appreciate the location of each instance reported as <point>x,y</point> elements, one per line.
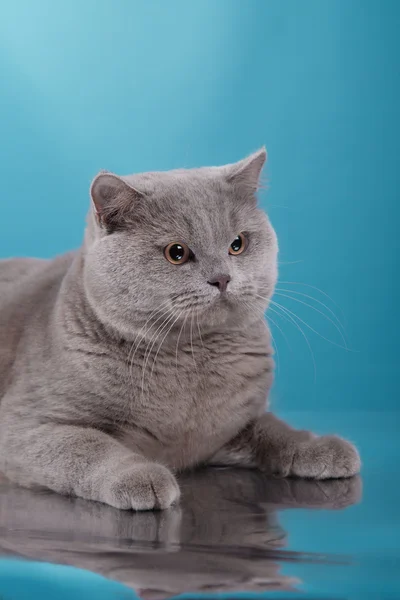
<point>186,403</point>
<point>216,371</point>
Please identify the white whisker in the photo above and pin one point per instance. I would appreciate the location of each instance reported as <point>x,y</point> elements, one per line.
<point>147,353</point>
<point>290,262</point>
<point>320,312</point>
<point>277,326</point>
<point>136,342</point>
<point>179,337</point>
<point>191,340</point>
<point>317,301</point>
<point>313,287</point>
<point>309,326</point>
<point>289,316</point>
<point>262,319</point>
<point>162,341</point>
<point>198,327</point>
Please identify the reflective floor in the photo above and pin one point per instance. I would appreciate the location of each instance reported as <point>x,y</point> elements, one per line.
<point>235,530</point>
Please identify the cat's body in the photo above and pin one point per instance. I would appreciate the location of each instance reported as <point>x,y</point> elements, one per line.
<point>209,384</point>
<point>116,365</point>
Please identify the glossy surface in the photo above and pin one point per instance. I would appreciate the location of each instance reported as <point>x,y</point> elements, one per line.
<point>235,530</point>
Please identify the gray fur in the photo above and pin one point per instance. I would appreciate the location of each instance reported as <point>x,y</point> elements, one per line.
<point>118,368</point>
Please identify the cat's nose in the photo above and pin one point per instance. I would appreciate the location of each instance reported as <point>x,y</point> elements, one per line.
<point>220,281</point>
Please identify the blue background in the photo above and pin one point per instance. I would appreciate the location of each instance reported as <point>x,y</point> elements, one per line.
<point>138,85</point>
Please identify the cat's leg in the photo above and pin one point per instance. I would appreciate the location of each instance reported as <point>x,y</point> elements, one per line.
<point>272,446</point>
<point>87,463</point>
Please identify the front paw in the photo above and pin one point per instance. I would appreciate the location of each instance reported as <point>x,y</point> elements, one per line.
<point>146,486</point>
<point>326,457</point>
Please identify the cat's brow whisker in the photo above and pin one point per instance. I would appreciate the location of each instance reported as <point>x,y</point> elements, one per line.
<point>318,311</point>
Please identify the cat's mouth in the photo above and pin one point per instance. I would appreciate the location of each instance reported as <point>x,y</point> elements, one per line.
<point>209,308</point>
<point>224,303</point>
<point>224,299</point>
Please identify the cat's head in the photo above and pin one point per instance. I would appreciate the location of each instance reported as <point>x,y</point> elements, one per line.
<point>182,244</point>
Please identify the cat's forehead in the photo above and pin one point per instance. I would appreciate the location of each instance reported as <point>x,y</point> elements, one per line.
<point>181,183</point>
<point>193,202</point>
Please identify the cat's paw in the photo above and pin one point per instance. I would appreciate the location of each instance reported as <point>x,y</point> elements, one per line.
<point>326,457</point>
<point>146,486</point>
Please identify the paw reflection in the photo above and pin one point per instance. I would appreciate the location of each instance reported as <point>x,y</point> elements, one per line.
<point>224,536</point>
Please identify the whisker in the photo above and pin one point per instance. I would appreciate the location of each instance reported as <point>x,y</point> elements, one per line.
<point>137,341</point>
<point>131,355</point>
<point>152,314</point>
<point>262,319</point>
<point>147,354</point>
<point>162,341</point>
<point>313,287</point>
<point>317,301</point>
<point>198,327</point>
<point>191,339</point>
<point>278,327</point>
<point>179,337</point>
<point>318,311</point>
<point>309,326</point>
<point>289,316</point>
<point>275,344</point>
<point>290,262</point>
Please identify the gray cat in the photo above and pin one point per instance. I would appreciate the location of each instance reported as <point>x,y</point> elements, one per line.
<point>146,353</point>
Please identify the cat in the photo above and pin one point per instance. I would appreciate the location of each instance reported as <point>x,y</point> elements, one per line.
<point>146,352</point>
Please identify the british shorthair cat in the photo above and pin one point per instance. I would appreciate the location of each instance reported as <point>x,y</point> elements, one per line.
<point>146,352</point>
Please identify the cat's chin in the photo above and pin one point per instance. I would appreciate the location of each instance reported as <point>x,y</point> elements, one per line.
<point>228,311</point>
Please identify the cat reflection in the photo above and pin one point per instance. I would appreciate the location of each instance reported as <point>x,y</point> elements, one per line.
<point>224,536</point>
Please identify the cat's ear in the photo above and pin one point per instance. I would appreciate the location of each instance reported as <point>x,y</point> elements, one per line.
<point>112,199</point>
<point>247,172</point>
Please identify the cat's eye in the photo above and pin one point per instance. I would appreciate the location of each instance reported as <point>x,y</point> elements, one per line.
<point>238,245</point>
<point>177,253</point>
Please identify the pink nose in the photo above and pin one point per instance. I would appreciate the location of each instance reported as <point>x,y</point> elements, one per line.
<point>220,281</point>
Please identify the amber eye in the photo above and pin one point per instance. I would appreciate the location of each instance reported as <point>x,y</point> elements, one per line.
<point>177,253</point>
<point>238,245</point>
